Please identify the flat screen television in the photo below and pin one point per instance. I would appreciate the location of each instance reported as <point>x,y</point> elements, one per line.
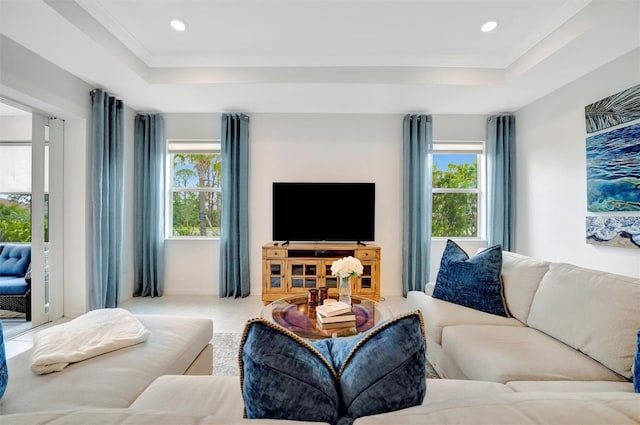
<point>315,212</point>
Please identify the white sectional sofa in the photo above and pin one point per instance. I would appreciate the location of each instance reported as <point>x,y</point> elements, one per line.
<point>147,385</point>
<point>571,328</point>
<point>177,345</point>
<point>217,400</point>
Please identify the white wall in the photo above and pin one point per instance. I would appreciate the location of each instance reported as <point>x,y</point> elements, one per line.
<point>28,79</point>
<point>331,148</point>
<point>359,148</point>
<point>191,266</point>
<point>311,147</point>
<point>551,172</point>
<point>551,188</point>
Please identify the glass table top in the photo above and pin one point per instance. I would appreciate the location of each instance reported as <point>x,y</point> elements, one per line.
<point>294,314</point>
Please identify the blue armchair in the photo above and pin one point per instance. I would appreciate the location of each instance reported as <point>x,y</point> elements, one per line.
<point>15,280</point>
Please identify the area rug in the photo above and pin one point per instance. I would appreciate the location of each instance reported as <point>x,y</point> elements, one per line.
<point>225,355</point>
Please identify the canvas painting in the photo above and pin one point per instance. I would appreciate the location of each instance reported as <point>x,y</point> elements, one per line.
<point>613,170</point>
<point>613,152</point>
<point>613,110</point>
<point>614,231</point>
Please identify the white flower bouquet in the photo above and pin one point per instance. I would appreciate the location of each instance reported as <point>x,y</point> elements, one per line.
<point>347,266</point>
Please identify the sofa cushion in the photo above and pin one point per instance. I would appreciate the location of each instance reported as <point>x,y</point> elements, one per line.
<point>14,260</point>
<point>509,353</point>
<point>197,395</point>
<point>121,375</point>
<point>592,311</point>
<point>125,416</point>
<point>334,380</point>
<point>440,390</point>
<point>439,314</point>
<point>571,386</point>
<point>521,276</point>
<point>472,282</point>
<point>518,409</point>
<point>10,285</point>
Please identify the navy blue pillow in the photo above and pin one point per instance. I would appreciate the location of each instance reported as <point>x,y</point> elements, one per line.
<point>282,376</point>
<point>333,380</point>
<point>471,282</point>
<point>636,367</point>
<point>381,370</point>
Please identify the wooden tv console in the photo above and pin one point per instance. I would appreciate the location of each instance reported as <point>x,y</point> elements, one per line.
<point>295,268</point>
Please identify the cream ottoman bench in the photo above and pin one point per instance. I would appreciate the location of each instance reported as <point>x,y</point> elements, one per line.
<point>176,346</point>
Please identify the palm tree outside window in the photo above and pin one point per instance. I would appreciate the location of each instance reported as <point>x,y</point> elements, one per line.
<point>194,203</point>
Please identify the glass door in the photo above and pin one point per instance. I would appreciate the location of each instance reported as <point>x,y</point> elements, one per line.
<point>30,214</point>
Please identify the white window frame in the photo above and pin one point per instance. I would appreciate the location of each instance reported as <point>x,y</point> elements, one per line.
<point>467,147</point>
<point>205,146</point>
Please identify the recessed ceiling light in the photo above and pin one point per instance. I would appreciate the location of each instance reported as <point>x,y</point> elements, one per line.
<point>488,26</point>
<point>178,25</point>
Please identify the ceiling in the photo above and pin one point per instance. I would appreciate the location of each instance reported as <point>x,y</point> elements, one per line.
<point>326,56</point>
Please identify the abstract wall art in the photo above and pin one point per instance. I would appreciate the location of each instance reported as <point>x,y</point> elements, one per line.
<point>613,152</point>
<point>613,110</point>
<point>620,231</point>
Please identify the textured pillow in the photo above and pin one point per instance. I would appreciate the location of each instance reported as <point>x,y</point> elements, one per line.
<point>334,380</point>
<point>471,282</point>
<point>381,370</point>
<point>282,376</point>
<point>4,376</point>
<point>636,367</point>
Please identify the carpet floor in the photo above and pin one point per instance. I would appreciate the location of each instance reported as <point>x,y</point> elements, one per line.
<point>225,355</point>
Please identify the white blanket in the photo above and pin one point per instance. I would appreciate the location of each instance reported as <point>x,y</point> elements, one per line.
<point>92,334</point>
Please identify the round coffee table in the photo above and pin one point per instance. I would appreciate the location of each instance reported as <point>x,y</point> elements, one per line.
<point>293,313</point>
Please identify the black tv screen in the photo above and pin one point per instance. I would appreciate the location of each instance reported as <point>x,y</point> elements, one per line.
<point>314,212</point>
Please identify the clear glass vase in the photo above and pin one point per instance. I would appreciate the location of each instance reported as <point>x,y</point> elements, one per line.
<point>344,290</point>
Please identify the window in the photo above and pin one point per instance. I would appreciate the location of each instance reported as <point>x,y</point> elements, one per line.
<point>194,201</point>
<point>458,182</point>
<point>15,192</point>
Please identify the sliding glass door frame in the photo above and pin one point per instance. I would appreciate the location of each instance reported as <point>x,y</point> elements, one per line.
<point>46,255</point>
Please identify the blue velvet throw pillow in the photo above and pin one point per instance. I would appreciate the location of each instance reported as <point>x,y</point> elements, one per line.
<point>284,377</point>
<point>636,367</point>
<point>471,282</point>
<point>381,370</point>
<point>334,380</point>
<point>4,373</point>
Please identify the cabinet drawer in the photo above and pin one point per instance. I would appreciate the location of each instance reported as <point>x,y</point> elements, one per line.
<point>364,254</point>
<point>274,253</point>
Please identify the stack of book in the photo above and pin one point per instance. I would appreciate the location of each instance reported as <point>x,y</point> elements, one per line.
<point>335,315</point>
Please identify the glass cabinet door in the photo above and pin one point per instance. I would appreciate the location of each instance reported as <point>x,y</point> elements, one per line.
<point>365,283</point>
<point>304,275</point>
<point>275,272</point>
<point>330,281</point>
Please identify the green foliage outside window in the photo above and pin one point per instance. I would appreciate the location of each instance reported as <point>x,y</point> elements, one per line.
<point>196,209</point>
<point>455,214</point>
<point>15,218</point>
